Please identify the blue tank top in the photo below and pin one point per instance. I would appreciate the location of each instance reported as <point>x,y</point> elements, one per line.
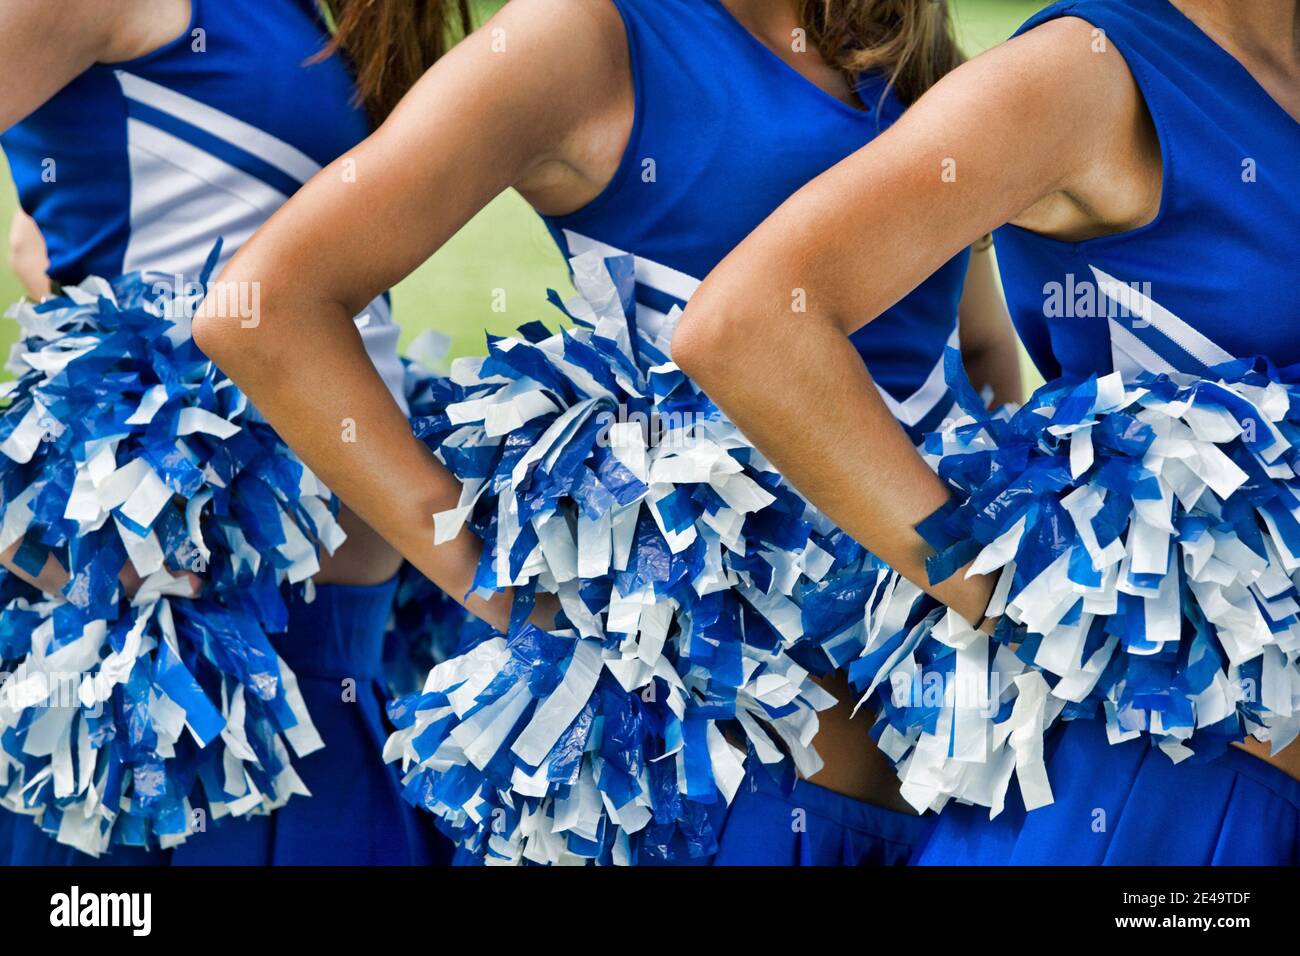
<point>1213,276</point>
<point>724,132</point>
<point>143,165</point>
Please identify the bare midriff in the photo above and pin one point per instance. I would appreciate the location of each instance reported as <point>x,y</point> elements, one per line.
<point>854,765</point>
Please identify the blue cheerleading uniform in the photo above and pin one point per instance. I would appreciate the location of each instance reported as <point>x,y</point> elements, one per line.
<point>812,826</point>
<point>1170,295</point>
<point>766,825</point>
<point>335,646</point>
<point>1180,294</point>
<point>712,153</point>
<point>1130,805</point>
<point>142,166</point>
<point>336,649</point>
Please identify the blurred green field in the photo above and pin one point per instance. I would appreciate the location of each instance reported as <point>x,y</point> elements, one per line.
<point>506,246</point>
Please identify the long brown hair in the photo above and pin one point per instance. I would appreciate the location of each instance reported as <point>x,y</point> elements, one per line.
<point>390,43</point>
<point>910,41</point>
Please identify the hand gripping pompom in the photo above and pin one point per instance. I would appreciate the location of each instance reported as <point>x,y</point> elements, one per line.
<point>122,718</point>
<point>699,594</point>
<point>1147,541</point>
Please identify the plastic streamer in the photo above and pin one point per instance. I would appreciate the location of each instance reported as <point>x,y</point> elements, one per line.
<point>427,625</point>
<point>700,596</point>
<point>135,719</point>
<point>1146,539</point>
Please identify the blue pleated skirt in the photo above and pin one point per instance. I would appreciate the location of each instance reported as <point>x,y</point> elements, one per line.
<point>7,823</point>
<point>811,826</point>
<point>355,815</point>
<point>1130,805</point>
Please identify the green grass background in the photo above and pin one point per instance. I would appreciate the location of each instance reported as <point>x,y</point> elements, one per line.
<point>506,246</point>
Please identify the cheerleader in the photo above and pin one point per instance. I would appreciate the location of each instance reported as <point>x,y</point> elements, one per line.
<point>137,140</point>
<point>663,131</point>
<point>1138,153</point>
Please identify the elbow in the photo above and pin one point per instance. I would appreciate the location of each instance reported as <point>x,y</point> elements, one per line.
<point>216,327</point>
<point>690,340</point>
<point>206,331</point>
<point>230,328</point>
<point>706,340</point>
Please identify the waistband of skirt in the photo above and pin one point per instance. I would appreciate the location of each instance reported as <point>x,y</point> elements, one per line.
<point>338,634</point>
<point>880,822</point>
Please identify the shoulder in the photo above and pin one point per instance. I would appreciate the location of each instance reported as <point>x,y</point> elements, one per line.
<point>1059,89</point>
<point>94,31</point>
<point>1065,62</point>
<point>45,45</point>
<point>577,26</point>
<point>68,26</point>
<point>1079,49</point>
<point>560,52</point>
<point>1064,112</point>
<point>567,59</point>
<point>572,61</point>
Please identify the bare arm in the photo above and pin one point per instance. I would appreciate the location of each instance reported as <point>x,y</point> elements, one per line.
<point>1027,122</point>
<point>483,119</point>
<point>988,343</point>
<point>27,255</point>
<point>44,46</point>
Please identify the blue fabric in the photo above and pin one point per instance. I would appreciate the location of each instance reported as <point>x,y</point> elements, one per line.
<point>70,158</point>
<point>733,132</point>
<point>355,815</point>
<point>1222,247</point>
<point>1219,262</point>
<point>32,847</point>
<point>8,822</point>
<point>810,826</point>
<point>86,220</point>
<point>1130,805</point>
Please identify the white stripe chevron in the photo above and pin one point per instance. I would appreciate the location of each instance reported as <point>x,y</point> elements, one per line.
<point>920,403</point>
<point>1130,356</point>
<point>183,198</point>
<point>270,149</point>
<point>1161,319</point>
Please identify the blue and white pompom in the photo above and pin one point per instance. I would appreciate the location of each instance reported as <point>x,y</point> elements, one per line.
<point>427,626</point>
<point>124,718</point>
<point>700,595</point>
<point>1148,546</point>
